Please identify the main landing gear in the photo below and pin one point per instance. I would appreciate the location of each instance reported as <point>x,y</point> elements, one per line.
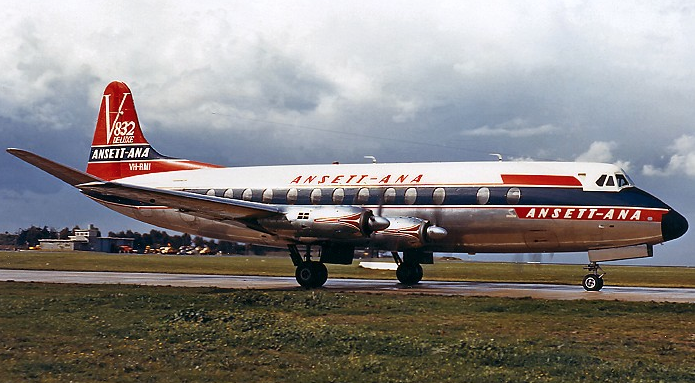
<point>309,274</point>
<point>408,272</point>
<point>594,280</point>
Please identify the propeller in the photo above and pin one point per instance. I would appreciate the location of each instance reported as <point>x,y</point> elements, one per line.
<point>436,232</point>
<point>373,252</point>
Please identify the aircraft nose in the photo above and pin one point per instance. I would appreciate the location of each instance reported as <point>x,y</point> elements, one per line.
<point>673,225</point>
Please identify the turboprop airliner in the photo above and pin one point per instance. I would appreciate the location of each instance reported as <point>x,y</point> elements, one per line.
<point>413,209</point>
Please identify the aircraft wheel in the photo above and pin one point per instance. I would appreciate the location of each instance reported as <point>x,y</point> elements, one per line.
<point>311,274</point>
<point>592,282</point>
<point>409,273</point>
<point>322,274</point>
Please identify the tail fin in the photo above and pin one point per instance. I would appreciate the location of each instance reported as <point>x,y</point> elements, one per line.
<point>119,148</point>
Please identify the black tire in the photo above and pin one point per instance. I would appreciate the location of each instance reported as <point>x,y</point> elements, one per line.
<point>420,272</point>
<point>311,274</point>
<point>409,273</point>
<point>322,274</point>
<point>592,282</point>
<point>600,284</point>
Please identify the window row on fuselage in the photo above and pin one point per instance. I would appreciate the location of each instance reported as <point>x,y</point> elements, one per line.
<point>373,195</point>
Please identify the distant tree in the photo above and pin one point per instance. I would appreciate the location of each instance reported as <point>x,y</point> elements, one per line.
<point>8,239</point>
<point>186,239</point>
<point>64,233</point>
<point>31,236</point>
<point>227,247</point>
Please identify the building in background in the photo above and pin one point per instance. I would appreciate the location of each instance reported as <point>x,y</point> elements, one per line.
<point>87,240</point>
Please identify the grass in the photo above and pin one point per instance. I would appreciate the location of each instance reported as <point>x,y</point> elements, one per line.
<point>57,333</point>
<point>282,266</point>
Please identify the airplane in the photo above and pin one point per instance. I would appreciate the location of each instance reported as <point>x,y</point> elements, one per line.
<point>414,209</point>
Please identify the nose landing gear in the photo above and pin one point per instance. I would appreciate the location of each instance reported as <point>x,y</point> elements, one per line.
<point>594,280</point>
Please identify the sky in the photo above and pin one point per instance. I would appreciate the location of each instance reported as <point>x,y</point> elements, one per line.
<point>242,83</point>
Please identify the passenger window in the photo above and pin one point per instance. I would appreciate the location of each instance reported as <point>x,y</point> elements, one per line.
<point>267,195</point>
<point>362,196</point>
<point>292,196</point>
<point>247,195</point>
<point>389,195</point>
<point>315,196</point>
<point>601,180</point>
<point>438,196</point>
<point>338,196</point>
<point>513,196</point>
<point>410,196</point>
<point>483,196</point>
<point>610,181</point>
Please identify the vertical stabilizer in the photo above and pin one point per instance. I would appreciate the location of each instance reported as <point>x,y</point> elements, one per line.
<point>119,149</point>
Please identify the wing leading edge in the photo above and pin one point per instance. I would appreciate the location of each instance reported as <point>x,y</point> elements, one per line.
<point>205,206</point>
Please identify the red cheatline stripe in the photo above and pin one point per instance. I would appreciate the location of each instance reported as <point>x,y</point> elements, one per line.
<point>540,179</point>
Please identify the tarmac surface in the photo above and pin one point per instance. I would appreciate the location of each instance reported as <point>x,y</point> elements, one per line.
<point>512,290</point>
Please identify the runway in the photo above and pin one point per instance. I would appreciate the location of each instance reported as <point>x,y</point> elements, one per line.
<point>511,290</point>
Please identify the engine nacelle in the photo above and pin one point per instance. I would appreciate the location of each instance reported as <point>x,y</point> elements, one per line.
<point>407,233</point>
<point>325,222</point>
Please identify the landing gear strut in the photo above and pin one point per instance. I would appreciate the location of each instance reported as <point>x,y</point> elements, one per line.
<point>408,273</point>
<point>309,274</point>
<point>593,281</point>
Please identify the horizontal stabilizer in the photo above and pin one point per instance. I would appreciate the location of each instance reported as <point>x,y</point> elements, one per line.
<point>206,206</point>
<point>65,173</point>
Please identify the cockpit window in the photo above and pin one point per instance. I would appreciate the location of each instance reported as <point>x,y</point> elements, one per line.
<point>612,180</point>
<point>601,180</point>
<point>622,180</point>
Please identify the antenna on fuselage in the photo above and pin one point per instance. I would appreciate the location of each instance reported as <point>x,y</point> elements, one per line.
<point>371,158</point>
<point>499,156</point>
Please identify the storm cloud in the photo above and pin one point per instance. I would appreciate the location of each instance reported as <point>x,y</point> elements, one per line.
<point>255,83</point>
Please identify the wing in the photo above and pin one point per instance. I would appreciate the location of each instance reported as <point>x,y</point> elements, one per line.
<point>205,206</point>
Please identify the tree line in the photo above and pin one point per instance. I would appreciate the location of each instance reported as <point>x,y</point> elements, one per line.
<point>30,237</point>
<point>24,238</point>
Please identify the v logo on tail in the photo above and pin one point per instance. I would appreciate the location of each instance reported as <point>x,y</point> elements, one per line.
<point>119,149</point>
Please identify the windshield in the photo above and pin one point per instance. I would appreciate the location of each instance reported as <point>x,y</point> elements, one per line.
<point>615,181</point>
<point>622,180</point>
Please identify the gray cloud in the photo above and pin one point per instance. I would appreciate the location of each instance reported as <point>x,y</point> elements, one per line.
<point>264,82</point>
<point>682,161</point>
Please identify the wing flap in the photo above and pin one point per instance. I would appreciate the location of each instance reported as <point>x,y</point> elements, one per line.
<point>195,204</point>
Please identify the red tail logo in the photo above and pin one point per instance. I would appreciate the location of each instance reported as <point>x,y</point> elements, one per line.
<point>118,121</point>
<point>119,149</point>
